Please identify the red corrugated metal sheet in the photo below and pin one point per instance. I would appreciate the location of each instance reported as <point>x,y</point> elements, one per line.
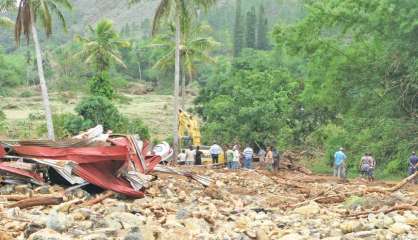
<point>100,166</point>
<point>2,152</point>
<point>22,172</point>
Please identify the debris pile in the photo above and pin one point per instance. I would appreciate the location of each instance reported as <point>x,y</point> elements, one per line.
<point>115,162</point>
<point>236,205</point>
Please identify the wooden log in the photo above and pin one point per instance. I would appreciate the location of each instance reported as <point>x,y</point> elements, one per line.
<point>403,182</point>
<point>400,207</point>
<point>36,201</point>
<point>98,199</point>
<point>17,197</point>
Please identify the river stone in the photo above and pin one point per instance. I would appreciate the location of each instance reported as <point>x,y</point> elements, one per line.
<point>308,210</point>
<point>59,222</point>
<point>128,220</point>
<point>134,234</point>
<point>292,236</point>
<point>47,234</point>
<point>399,228</point>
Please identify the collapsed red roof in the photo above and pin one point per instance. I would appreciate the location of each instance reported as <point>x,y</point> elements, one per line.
<point>102,166</point>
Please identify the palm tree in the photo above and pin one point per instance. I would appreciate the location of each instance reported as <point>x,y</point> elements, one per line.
<point>29,12</point>
<point>194,48</point>
<point>101,47</point>
<point>181,11</point>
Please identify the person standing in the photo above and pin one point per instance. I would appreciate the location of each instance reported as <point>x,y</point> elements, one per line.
<point>339,163</point>
<point>181,158</point>
<point>269,159</point>
<point>248,157</point>
<point>198,156</point>
<point>215,150</point>
<point>413,165</point>
<point>372,165</point>
<point>229,157</point>
<point>276,159</point>
<point>235,161</point>
<point>190,156</point>
<point>367,165</point>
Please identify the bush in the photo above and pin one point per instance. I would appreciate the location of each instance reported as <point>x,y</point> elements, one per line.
<point>101,86</point>
<point>100,110</point>
<point>26,94</point>
<point>2,122</point>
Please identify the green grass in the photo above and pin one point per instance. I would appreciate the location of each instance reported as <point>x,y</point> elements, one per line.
<point>154,109</point>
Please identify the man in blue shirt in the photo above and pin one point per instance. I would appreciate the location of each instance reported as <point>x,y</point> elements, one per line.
<point>339,163</point>
<point>413,164</point>
<point>248,157</point>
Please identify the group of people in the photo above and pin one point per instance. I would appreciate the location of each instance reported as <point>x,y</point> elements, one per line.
<point>234,158</point>
<point>367,165</point>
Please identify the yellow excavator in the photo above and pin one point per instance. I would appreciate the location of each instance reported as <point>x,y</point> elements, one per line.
<point>189,134</point>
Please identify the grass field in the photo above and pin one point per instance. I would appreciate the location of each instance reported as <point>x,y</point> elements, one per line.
<point>155,110</point>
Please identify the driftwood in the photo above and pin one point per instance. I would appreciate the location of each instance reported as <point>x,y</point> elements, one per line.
<point>403,182</point>
<point>17,197</point>
<point>98,199</point>
<point>400,207</point>
<point>36,201</point>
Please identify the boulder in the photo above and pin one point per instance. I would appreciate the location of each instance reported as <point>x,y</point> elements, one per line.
<point>308,210</point>
<point>400,228</point>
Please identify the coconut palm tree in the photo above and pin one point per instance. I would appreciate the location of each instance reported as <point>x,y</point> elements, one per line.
<point>101,47</point>
<point>181,12</point>
<point>195,48</point>
<point>29,12</point>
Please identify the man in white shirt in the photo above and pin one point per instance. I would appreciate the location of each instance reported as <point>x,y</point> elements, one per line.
<point>181,158</point>
<point>215,150</point>
<point>190,154</point>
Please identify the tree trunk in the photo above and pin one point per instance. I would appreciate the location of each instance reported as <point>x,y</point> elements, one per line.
<point>176,89</point>
<point>44,89</point>
<point>183,87</point>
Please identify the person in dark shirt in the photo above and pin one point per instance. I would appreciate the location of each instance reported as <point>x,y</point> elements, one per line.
<point>413,164</point>
<point>198,156</point>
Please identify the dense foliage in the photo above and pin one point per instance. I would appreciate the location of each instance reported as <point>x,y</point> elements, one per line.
<point>343,75</point>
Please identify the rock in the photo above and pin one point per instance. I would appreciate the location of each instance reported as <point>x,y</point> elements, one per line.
<point>134,234</point>
<point>59,222</point>
<point>32,228</point>
<point>42,189</point>
<point>172,222</point>
<point>182,214</point>
<point>128,220</point>
<point>261,235</point>
<point>399,228</point>
<point>351,226</point>
<point>292,236</point>
<point>308,210</point>
<point>5,236</point>
<point>47,234</point>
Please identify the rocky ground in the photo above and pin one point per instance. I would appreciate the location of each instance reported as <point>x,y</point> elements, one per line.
<point>239,205</point>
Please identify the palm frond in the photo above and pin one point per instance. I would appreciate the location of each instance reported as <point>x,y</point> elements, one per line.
<point>163,10</point>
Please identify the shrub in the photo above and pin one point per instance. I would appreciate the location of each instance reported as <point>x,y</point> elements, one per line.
<point>101,86</point>
<point>100,110</point>
<point>135,126</point>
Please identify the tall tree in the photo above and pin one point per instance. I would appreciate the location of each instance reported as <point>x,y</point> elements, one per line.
<point>238,29</point>
<point>262,29</point>
<point>195,48</point>
<point>29,12</point>
<point>180,11</point>
<point>250,33</point>
<point>101,49</point>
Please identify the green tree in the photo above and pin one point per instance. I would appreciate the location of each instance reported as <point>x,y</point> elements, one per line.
<point>195,49</point>
<point>101,49</point>
<point>238,30</point>
<point>262,29</point>
<point>250,30</point>
<point>29,12</point>
<point>181,11</point>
